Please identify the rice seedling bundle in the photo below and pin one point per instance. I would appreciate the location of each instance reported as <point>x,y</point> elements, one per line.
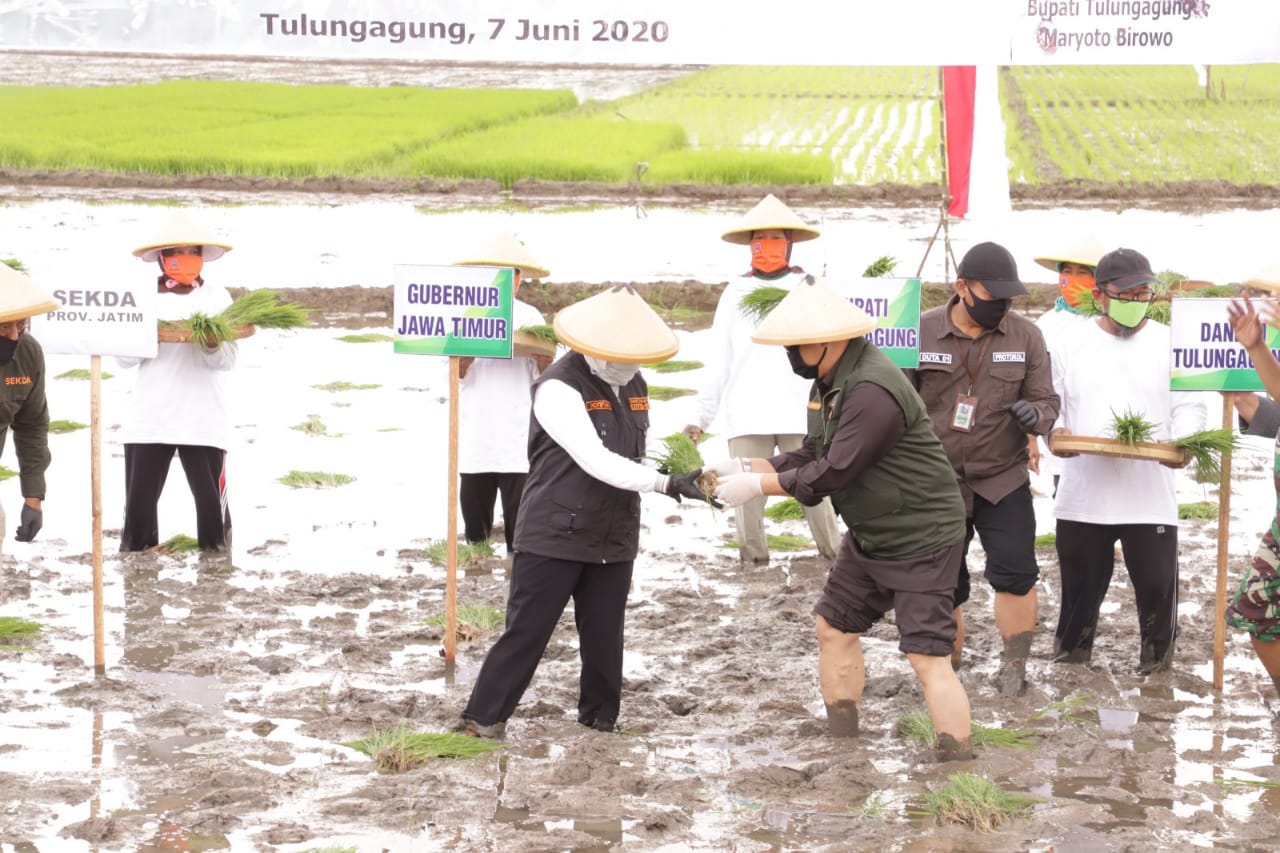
<point>918,727</point>
<point>678,455</point>
<point>975,802</point>
<point>12,627</point>
<point>543,332</point>
<point>397,750</point>
<point>758,303</point>
<point>880,267</point>
<point>787,509</point>
<point>256,308</point>
<point>1206,449</point>
<point>1132,428</point>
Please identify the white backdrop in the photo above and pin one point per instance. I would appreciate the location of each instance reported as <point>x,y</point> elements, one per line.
<point>712,32</point>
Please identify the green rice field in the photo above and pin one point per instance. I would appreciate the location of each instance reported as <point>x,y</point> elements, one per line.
<point>723,125</point>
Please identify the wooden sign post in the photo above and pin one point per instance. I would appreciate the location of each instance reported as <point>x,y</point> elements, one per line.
<point>1224,540</point>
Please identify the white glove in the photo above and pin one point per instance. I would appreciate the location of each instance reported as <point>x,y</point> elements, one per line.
<point>738,489</point>
<point>725,467</point>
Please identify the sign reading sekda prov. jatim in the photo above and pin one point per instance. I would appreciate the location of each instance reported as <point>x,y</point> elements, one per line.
<point>1205,355</point>
<point>96,319</point>
<point>895,305</point>
<point>448,310</point>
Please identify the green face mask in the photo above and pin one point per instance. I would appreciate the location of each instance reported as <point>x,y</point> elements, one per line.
<point>1127,314</point>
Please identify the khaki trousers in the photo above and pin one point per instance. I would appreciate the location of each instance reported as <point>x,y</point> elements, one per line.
<point>752,544</point>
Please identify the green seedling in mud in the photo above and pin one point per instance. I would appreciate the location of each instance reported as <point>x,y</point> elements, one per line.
<point>664,392</point>
<point>14,628</point>
<point>1198,511</point>
<point>787,509</point>
<point>312,426</point>
<point>178,544</point>
<point>345,386</point>
<point>59,427</point>
<point>6,473</point>
<point>975,802</point>
<point>917,727</point>
<point>314,480</point>
<point>473,621</point>
<point>80,373</point>
<point>469,553</point>
<point>1236,782</point>
<point>14,264</point>
<point>872,808</point>
<point>1131,427</point>
<point>365,338</point>
<point>673,366</point>
<point>397,750</point>
<point>1067,708</point>
<point>390,429</point>
<point>1206,449</point>
<point>1046,540</point>
<point>780,542</point>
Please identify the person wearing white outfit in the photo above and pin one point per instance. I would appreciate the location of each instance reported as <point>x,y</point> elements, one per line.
<point>1118,363</point>
<point>1074,263</point>
<point>493,408</point>
<point>179,402</point>
<point>763,404</point>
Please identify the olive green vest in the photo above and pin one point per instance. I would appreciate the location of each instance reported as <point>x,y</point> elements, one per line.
<point>908,503</point>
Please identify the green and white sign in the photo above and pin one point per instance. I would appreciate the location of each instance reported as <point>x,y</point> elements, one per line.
<point>464,311</point>
<point>1205,355</point>
<point>895,304</point>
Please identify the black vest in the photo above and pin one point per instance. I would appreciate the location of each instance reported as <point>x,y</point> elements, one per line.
<point>564,512</point>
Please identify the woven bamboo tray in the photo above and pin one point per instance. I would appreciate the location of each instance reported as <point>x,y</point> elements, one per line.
<point>1152,450</point>
<point>182,335</point>
<point>525,345</point>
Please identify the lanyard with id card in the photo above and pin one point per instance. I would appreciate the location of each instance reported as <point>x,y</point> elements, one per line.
<point>966,410</point>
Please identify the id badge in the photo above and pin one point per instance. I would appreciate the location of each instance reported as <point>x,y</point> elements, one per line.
<point>966,409</point>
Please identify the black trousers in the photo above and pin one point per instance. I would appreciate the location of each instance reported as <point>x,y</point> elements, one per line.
<point>1008,533</point>
<point>476,494</point>
<point>1086,556</point>
<point>146,467</point>
<point>540,589</point>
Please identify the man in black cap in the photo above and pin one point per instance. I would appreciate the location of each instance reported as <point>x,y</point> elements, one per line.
<point>1115,365</point>
<point>985,379</point>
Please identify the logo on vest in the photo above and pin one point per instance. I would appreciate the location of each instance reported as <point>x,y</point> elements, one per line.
<point>935,357</point>
<point>639,404</point>
<point>599,406</point>
<point>17,380</point>
<point>999,357</point>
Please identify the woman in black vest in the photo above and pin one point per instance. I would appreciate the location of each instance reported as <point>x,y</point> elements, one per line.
<point>579,524</point>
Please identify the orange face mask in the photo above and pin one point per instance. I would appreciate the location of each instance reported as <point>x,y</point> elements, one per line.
<point>184,269</point>
<point>768,254</point>
<point>1074,287</point>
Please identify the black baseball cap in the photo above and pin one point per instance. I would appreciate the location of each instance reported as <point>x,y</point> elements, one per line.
<point>1124,269</point>
<point>993,266</point>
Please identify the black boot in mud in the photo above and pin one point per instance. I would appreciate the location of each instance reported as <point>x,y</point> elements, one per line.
<point>1011,680</point>
<point>950,749</point>
<point>842,718</point>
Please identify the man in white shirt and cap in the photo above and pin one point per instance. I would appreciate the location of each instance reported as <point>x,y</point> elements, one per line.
<point>759,399</point>
<point>24,410</point>
<point>579,528</point>
<point>494,404</point>
<point>872,449</point>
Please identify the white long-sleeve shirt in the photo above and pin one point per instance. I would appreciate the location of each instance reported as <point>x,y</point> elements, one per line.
<point>180,396</point>
<point>1098,376</point>
<point>749,384</point>
<point>1054,324</point>
<point>493,408</point>
<point>559,410</point>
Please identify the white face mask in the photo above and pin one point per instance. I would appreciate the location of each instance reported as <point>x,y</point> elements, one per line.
<point>613,372</point>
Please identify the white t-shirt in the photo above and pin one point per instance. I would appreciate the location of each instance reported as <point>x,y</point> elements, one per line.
<point>1054,324</point>
<point>180,396</point>
<point>750,385</point>
<point>1099,375</point>
<point>493,408</point>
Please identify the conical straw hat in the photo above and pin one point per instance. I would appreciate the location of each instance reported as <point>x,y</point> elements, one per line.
<point>504,250</point>
<point>1267,279</point>
<point>21,298</point>
<point>813,313</point>
<point>770,213</point>
<point>616,325</point>
<point>182,229</point>
<point>1082,249</point>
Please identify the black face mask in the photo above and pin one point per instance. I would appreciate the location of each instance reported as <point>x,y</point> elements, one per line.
<point>987,313</point>
<point>798,367</point>
<point>8,348</point>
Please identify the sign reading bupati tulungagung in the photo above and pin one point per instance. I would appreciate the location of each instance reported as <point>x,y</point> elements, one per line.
<point>895,306</point>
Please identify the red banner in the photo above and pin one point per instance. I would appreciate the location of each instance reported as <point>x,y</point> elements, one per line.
<point>958,83</point>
